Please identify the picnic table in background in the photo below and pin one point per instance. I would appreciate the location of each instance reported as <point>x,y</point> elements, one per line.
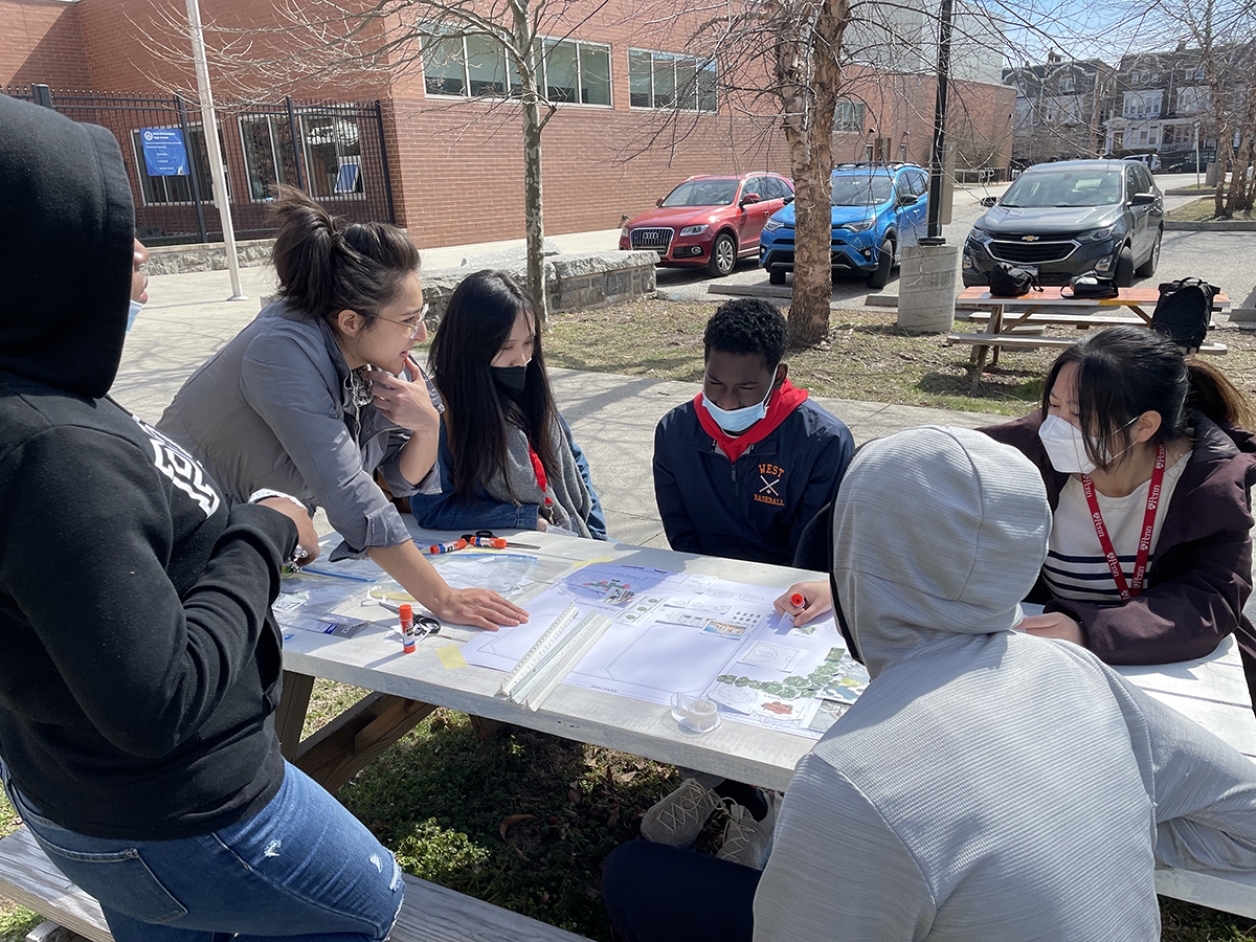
<point>1041,308</point>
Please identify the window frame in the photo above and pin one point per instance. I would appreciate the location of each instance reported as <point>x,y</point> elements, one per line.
<point>510,74</point>
<point>700,67</point>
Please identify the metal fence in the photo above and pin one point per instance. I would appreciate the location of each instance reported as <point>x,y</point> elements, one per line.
<point>333,151</point>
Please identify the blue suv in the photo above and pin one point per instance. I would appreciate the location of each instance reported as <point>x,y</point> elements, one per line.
<point>877,209</point>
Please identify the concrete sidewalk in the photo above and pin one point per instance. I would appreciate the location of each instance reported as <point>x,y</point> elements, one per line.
<point>613,417</point>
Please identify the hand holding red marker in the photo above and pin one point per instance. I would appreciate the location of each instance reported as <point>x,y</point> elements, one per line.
<point>805,601</point>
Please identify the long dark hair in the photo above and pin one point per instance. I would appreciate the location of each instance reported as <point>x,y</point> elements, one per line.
<point>327,265</point>
<point>1123,372</point>
<point>476,325</point>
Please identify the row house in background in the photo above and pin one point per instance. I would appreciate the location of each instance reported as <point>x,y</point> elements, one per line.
<point>1159,100</point>
<point>1061,107</point>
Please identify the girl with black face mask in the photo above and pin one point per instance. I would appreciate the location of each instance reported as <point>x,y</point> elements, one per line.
<point>506,458</point>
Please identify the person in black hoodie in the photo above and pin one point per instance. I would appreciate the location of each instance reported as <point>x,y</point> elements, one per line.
<point>139,661</point>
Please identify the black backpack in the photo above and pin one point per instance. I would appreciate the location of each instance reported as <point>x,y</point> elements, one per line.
<point>1184,311</point>
<point>1091,284</point>
<point>1008,281</point>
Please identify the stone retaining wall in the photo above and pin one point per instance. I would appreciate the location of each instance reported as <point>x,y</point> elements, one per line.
<point>206,256</point>
<point>574,282</point>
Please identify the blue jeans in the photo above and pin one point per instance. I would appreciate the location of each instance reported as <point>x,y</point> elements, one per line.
<point>302,868</point>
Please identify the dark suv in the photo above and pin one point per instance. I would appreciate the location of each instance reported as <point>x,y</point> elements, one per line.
<point>1063,219</point>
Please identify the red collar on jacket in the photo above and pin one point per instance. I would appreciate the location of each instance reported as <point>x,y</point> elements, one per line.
<point>784,401</point>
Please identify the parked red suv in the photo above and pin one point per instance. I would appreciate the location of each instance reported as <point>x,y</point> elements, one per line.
<point>711,220</point>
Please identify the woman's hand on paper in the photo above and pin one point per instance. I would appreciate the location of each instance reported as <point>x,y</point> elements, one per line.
<point>817,600</point>
<point>478,607</point>
<point>405,402</point>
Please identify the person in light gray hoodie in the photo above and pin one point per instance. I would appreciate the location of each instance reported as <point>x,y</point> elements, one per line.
<point>989,785</point>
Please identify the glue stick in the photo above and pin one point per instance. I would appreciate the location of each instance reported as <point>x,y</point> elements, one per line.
<point>407,629</point>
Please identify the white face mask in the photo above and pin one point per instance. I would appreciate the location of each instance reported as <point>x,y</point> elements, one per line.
<point>136,306</point>
<point>734,421</point>
<point>1067,448</point>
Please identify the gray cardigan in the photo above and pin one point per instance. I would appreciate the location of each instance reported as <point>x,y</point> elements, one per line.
<point>272,409</point>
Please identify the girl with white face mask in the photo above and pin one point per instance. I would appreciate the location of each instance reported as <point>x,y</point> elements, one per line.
<point>1148,465</point>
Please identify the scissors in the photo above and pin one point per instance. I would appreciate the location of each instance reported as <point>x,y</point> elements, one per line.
<point>424,625</point>
<point>493,541</point>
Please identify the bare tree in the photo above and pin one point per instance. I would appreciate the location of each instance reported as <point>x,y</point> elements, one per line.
<point>343,45</point>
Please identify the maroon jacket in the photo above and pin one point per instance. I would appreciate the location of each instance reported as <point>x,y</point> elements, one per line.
<point>1202,573</point>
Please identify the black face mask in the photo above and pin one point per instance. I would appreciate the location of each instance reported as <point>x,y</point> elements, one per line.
<point>510,380</point>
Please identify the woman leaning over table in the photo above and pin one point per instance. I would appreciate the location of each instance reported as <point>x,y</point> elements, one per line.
<point>319,392</point>
<point>1132,436</point>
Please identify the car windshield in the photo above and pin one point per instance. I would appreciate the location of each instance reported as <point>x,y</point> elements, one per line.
<point>703,193</point>
<point>861,190</point>
<point>1065,188</point>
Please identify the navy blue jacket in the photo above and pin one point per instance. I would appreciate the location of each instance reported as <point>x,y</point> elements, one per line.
<point>754,508</point>
<point>442,509</point>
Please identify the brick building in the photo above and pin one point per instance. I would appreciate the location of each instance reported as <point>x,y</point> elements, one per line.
<point>448,139</point>
<point>1061,107</point>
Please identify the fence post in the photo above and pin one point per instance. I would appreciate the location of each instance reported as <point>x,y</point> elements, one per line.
<point>193,169</point>
<point>41,95</point>
<point>383,156</point>
<point>296,142</point>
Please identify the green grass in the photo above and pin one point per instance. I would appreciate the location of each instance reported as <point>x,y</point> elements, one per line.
<point>1203,211</point>
<point>865,356</point>
<point>524,820</point>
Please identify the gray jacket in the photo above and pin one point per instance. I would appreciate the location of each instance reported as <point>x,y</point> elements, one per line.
<point>989,785</point>
<point>273,409</point>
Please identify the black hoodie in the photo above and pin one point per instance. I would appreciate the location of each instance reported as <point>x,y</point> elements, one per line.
<point>139,664</point>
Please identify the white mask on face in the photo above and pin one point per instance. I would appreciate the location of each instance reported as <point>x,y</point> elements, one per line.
<point>136,306</point>
<point>1065,446</point>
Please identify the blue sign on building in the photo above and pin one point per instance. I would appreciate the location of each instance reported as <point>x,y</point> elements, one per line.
<point>164,153</point>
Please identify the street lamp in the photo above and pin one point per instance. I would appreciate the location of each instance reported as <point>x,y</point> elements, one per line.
<point>1197,153</point>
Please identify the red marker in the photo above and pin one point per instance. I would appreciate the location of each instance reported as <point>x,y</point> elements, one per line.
<point>798,600</point>
<point>407,628</point>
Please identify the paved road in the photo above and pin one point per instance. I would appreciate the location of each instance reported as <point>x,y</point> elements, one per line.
<point>1222,258</point>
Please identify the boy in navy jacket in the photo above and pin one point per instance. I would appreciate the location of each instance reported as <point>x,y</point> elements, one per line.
<point>740,470</point>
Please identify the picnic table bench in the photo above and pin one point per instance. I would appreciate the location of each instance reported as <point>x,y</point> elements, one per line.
<point>1003,315</point>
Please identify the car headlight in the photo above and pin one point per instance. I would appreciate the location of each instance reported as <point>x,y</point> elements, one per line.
<point>861,225</point>
<point>1098,235</point>
<point>979,235</point>
<point>693,230</point>
<point>772,225</point>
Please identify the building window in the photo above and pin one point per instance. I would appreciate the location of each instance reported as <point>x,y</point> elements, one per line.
<point>477,66</point>
<point>269,156</point>
<point>849,116</point>
<point>333,156</point>
<point>1142,103</point>
<point>1066,83</point>
<point>668,80</point>
<point>167,190</point>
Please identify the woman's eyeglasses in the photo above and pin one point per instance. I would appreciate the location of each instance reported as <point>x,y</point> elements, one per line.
<point>414,328</point>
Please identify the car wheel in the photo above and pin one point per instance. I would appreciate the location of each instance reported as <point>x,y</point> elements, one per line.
<point>1148,268</point>
<point>1124,276</point>
<point>723,256</point>
<point>880,277</point>
<point>776,277</point>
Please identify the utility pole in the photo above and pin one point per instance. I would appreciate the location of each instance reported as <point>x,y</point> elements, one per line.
<point>209,126</point>
<point>937,167</point>
<point>1197,153</point>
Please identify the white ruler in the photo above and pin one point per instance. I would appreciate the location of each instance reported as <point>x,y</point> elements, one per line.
<point>559,649</point>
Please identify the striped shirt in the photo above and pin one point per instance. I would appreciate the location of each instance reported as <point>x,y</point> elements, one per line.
<point>1076,567</point>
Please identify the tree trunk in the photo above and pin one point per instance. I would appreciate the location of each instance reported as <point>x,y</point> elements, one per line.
<point>808,37</point>
<point>533,212</point>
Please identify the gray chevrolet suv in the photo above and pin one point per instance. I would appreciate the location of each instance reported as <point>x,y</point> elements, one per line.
<point>1062,219</point>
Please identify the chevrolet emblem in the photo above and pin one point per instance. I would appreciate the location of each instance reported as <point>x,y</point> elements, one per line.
<point>1029,238</point>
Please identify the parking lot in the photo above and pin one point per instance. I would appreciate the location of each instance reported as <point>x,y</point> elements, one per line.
<point>1226,259</point>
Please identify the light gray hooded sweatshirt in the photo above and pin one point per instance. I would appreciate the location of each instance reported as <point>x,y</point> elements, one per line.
<point>988,785</point>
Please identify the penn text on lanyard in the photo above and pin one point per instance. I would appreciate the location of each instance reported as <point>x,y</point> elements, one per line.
<point>1135,585</point>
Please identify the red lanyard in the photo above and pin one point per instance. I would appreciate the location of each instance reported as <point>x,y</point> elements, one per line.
<point>539,470</point>
<point>1135,586</point>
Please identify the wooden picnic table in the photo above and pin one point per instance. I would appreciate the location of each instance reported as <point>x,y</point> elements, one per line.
<point>1041,308</point>
<point>1211,691</point>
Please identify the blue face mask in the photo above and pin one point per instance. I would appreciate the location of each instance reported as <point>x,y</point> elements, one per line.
<point>132,314</point>
<point>737,420</point>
